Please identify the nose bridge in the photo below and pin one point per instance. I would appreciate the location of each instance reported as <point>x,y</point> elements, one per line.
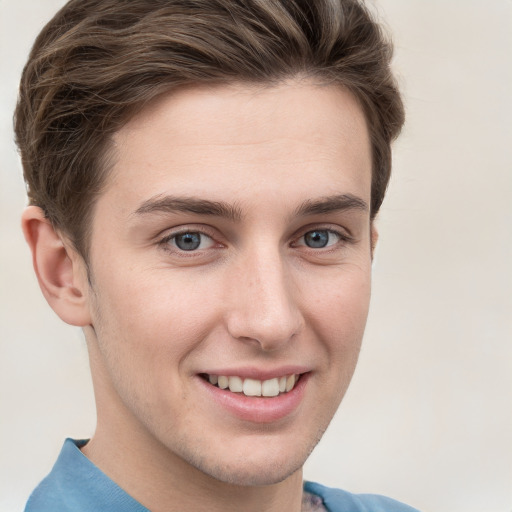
<point>264,306</point>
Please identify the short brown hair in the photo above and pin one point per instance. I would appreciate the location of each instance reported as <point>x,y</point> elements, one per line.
<point>98,61</point>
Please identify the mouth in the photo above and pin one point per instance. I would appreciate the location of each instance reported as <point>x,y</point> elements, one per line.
<point>253,387</point>
<point>272,398</point>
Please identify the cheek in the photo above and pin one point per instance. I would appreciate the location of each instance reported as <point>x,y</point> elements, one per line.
<point>157,314</point>
<point>339,304</point>
<point>337,316</point>
<point>146,330</point>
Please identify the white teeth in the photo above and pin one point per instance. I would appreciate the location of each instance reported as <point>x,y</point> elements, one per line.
<point>236,384</point>
<point>270,387</point>
<point>254,387</point>
<point>223,382</point>
<point>290,382</point>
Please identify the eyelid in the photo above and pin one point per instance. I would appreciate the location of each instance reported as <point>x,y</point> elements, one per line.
<point>186,228</point>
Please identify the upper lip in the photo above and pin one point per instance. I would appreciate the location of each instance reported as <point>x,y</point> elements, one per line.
<point>250,372</point>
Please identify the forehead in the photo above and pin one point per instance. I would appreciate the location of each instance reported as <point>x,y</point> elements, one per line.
<point>244,141</point>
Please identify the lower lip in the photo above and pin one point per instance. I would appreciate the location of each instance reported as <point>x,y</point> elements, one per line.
<point>258,409</point>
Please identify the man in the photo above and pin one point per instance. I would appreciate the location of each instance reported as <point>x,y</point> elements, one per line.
<point>203,178</point>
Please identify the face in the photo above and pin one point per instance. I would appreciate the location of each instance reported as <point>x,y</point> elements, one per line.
<point>231,247</point>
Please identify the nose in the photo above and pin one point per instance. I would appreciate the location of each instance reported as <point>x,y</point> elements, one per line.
<point>263,308</point>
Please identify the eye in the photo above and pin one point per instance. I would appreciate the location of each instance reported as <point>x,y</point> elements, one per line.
<point>190,241</point>
<point>319,238</point>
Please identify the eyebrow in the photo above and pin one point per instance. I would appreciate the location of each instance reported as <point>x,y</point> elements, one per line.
<point>172,204</point>
<point>340,202</point>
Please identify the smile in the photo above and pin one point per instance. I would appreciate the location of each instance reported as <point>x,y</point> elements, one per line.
<point>253,387</point>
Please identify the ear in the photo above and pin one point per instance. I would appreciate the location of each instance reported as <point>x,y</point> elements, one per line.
<point>374,237</point>
<point>60,270</point>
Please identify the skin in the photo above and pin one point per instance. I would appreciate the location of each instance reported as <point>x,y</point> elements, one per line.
<point>253,297</point>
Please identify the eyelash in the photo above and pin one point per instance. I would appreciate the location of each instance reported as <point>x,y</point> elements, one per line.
<point>343,238</point>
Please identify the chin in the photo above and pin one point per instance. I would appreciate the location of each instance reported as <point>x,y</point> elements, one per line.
<point>242,475</point>
<point>256,464</point>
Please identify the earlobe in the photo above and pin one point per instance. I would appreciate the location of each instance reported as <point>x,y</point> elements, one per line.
<point>59,269</point>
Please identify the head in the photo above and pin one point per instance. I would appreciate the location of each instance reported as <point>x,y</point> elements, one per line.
<point>207,175</point>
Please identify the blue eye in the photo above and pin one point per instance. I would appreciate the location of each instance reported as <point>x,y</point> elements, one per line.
<point>191,241</point>
<point>320,238</point>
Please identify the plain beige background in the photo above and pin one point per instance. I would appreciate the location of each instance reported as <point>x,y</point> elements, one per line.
<point>428,418</point>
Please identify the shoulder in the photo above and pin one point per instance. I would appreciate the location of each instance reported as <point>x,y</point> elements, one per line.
<point>337,500</point>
